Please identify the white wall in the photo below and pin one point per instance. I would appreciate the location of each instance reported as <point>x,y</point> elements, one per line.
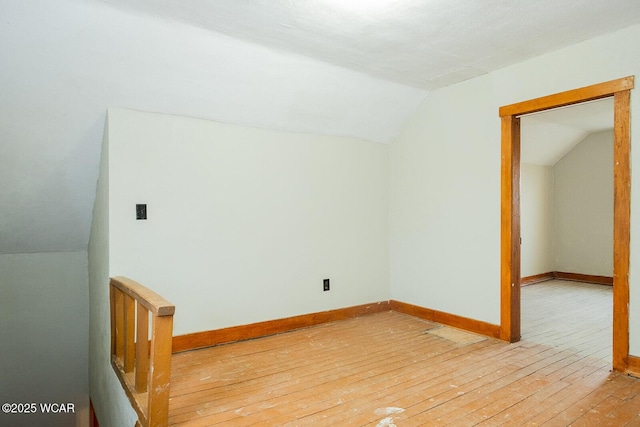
<point>536,219</point>
<point>445,204</point>
<point>567,211</point>
<point>110,403</point>
<point>445,179</point>
<point>583,205</point>
<point>95,55</point>
<point>44,311</point>
<point>245,223</point>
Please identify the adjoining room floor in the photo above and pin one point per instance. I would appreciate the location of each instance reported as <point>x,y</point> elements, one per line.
<point>391,369</point>
<point>569,315</point>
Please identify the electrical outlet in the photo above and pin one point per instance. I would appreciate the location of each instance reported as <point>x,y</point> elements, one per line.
<point>325,285</point>
<point>141,211</point>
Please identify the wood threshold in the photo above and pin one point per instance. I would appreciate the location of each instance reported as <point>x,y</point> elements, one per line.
<point>261,329</point>
<point>510,205</point>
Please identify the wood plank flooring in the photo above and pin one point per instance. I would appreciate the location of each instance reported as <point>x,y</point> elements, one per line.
<point>392,369</point>
<point>570,315</point>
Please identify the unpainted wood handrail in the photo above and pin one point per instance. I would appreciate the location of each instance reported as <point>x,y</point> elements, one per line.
<point>151,300</point>
<point>142,365</point>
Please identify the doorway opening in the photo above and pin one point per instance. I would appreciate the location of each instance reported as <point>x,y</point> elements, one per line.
<point>510,207</point>
<point>566,206</point>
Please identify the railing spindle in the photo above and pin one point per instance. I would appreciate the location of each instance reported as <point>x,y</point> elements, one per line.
<point>119,306</point>
<point>142,349</point>
<point>129,333</point>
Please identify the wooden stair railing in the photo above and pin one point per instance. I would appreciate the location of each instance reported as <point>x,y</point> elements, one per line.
<point>143,366</point>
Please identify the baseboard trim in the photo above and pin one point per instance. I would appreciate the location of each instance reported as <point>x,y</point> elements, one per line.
<point>588,278</point>
<point>271,327</point>
<point>561,275</point>
<point>448,319</point>
<point>633,366</point>
<point>531,280</point>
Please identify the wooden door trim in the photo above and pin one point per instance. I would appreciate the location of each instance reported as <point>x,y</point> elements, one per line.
<point>510,231</point>
<point>621,227</point>
<point>570,97</point>
<point>510,207</point>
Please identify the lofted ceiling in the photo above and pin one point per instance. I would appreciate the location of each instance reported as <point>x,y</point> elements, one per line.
<point>547,136</point>
<point>318,66</point>
<point>423,43</point>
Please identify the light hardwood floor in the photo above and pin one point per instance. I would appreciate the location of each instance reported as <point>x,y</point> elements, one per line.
<point>571,315</point>
<point>392,369</point>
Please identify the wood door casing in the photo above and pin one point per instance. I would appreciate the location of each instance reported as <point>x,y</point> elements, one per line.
<point>510,207</point>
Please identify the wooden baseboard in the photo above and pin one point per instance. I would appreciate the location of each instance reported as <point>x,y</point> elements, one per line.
<point>271,327</point>
<point>530,280</point>
<point>588,278</point>
<point>633,367</point>
<point>448,319</point>
<point>561,275</point>
<point>255,330</point>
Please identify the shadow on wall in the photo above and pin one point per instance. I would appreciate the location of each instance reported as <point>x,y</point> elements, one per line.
<point>44,312</point>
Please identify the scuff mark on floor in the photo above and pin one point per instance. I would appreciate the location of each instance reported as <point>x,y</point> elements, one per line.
<point>388,421</point>
<point>388,411</point>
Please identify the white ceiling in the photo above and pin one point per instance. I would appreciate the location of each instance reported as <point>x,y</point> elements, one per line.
<point>315,66</point>
<point>547,136</point>
<point>421,43</point>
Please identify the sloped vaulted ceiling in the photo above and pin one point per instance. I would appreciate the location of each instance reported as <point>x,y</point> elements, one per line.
<point>421,43</point>
<point>64,63</point>
<point>301,65</point>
